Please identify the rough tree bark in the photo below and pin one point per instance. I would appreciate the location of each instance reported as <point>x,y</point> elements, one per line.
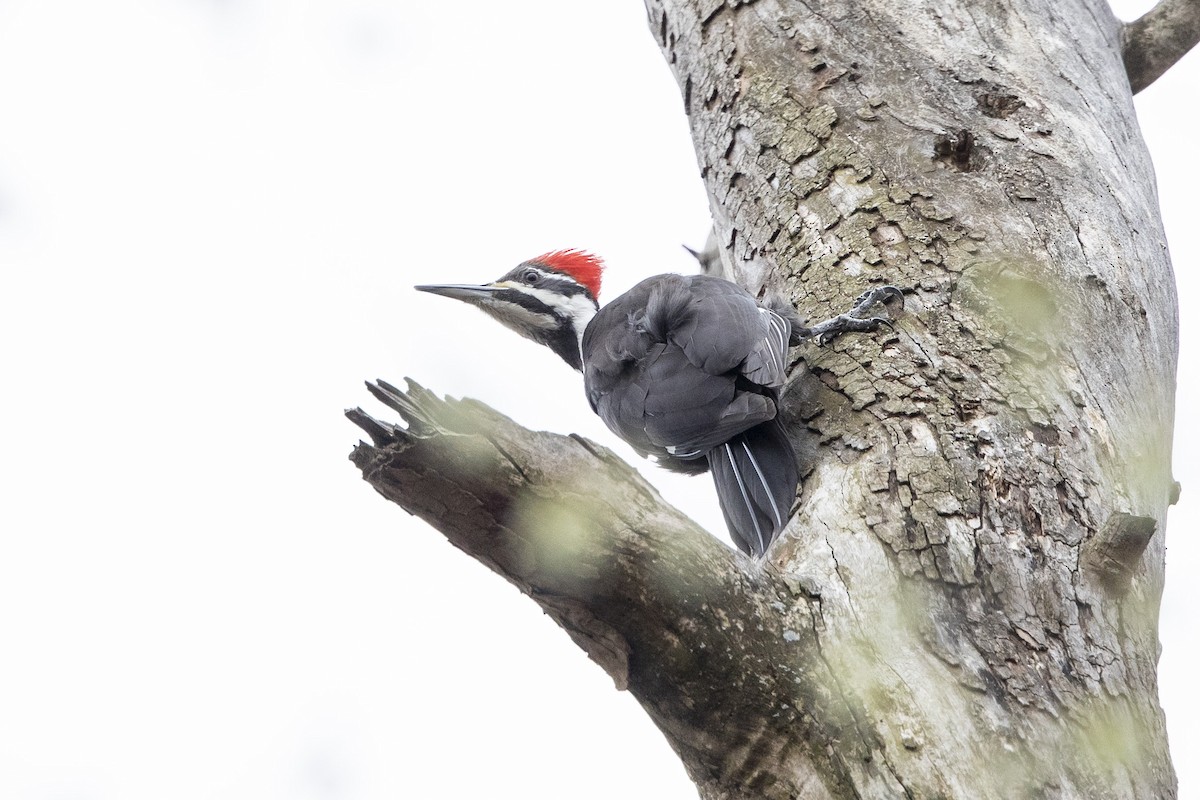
<point>965,601</point>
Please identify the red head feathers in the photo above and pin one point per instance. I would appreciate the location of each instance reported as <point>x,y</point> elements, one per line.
<point>583,267</point>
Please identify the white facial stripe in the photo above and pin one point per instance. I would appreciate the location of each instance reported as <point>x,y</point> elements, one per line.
<point>577,307</point>
<point>582,310</point>
<point>516,316</point>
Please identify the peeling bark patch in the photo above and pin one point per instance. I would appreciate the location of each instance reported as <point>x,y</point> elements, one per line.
<point>955,149</point>
<point>999,105</point>
<point>1112,555</point>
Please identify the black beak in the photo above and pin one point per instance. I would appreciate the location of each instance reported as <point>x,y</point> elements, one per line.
<point>460,291</point>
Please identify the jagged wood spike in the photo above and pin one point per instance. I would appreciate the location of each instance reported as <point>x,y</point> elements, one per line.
<point>381,433</point>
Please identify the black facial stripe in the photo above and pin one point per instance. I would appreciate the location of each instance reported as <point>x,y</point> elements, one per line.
<point>551,279</point>
<point>560,337</point>
<point>526,301</point>
<point>564,286</point>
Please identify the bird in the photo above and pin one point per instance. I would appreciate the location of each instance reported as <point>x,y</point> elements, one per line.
<point>687,369</point>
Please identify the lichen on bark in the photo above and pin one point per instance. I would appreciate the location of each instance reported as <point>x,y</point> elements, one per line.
<point>960,468</point>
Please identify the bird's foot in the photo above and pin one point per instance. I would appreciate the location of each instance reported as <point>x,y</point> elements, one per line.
<point>855,320</point>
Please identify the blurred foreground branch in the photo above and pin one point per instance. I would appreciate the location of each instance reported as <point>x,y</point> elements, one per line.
<point>681,620</point>
<point>1153,43</point>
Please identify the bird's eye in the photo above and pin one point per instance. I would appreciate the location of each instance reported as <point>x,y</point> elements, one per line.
<point>531,276</point>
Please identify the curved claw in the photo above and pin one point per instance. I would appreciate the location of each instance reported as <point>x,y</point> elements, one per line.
<point>856,319</point>
<point>894,291</point>
<point>877,296</point>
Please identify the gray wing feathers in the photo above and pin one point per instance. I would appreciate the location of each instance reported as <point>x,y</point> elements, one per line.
<point>725,325</point>
<point>688,370</point>
<point>700,432</point>
<point>766,364</point>
<point>720,330</point>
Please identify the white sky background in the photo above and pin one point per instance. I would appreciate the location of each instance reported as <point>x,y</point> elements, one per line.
<point>211,215</point>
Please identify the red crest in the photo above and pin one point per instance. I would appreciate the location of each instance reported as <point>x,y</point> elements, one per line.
<point>583,267</point>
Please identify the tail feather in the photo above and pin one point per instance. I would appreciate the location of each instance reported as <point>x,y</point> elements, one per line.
<point>756,478</point>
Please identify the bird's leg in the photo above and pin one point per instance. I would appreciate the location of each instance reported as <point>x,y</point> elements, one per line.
<point>854,319</point>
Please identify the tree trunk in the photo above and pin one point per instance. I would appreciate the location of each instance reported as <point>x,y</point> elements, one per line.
<point>965,601</point>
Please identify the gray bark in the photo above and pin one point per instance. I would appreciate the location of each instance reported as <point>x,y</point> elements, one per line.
<point>965,601</point>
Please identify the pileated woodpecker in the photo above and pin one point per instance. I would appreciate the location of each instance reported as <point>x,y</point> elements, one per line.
<point>686,369</point>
